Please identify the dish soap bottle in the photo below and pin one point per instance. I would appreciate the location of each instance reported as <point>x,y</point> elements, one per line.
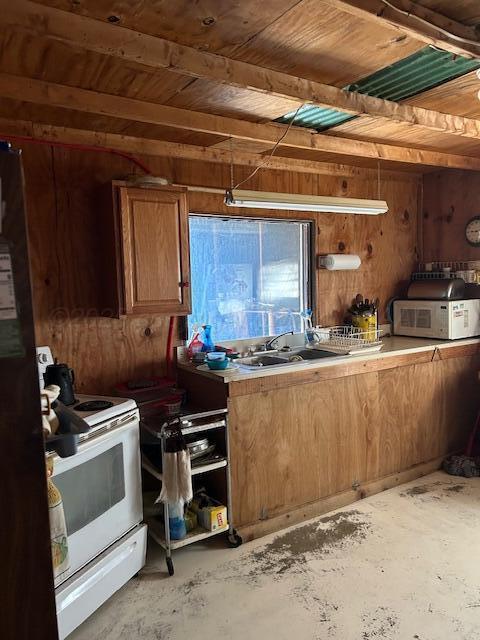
<point>195,345</point>
<point>208,344</point>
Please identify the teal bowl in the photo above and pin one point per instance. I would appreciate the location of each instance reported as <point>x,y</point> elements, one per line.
<point>217,365</point>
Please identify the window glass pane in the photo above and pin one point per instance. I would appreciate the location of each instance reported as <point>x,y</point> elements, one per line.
<point>249,276</point>
<point>92,488</point>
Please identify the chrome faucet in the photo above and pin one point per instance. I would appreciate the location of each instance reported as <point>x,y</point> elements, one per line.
<point>269,344</point>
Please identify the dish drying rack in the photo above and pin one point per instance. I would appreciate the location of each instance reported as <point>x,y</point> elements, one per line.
<point>347,340</point>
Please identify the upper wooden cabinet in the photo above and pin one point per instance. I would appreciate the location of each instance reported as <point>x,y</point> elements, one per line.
<point>152,252</point>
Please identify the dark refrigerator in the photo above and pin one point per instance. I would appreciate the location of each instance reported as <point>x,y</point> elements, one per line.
<point>27,592</point>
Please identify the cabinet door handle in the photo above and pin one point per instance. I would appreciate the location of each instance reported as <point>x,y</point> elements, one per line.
<point>184,284</point>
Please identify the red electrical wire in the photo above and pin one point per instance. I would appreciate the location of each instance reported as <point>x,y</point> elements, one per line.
<point>126,156</point>
<point>169,358</point>
<point>78,146</point>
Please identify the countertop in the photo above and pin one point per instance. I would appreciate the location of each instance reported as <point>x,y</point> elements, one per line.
<point>392,346</point>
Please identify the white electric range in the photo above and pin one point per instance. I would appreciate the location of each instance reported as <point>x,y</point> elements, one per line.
<point>101,413</point>
<point>102,498</point>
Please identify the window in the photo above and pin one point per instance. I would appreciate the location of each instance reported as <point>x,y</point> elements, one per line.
<point>250,277</point>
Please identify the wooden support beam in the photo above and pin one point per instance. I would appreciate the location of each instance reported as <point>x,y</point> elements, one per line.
<point>55,95</point>
<point>418,22</point>
<point>156,53</point>
<point>22,129</point>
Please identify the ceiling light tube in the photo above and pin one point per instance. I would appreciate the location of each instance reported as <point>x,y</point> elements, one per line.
<point>298,202</point>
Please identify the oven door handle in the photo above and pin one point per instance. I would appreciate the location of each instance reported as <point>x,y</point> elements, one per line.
<point>118,427</point>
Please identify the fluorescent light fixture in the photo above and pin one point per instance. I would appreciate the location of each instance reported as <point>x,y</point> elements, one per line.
<point>297,202</point>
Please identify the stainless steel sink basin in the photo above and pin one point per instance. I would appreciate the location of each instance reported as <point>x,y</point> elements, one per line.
<point>314,354</point>
<point>285,358</point>
<point>255,362</point>
<point>269,361</point>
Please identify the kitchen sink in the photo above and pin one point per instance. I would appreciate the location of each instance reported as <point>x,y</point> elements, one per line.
<point>255,362</point>
<point>285,358</point>
<point>268,361</point>
<point>314,354</point>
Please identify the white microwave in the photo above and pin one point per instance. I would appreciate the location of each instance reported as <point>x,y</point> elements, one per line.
<point>443,319</point>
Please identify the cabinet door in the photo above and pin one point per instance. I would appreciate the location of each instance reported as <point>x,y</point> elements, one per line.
<point>155,254</point>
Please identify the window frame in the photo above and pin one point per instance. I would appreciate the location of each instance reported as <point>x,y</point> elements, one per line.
<point>310,252</point>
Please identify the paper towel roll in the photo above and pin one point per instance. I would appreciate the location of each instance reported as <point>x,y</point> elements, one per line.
<point>338,261</point>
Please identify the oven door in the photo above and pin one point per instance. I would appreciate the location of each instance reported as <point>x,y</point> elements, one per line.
<point>101,492</point>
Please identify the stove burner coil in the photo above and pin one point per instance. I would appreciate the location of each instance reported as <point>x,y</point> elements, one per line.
<point>93,405</point>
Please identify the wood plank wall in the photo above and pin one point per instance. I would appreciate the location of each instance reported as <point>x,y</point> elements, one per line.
<point>450,199</point>
<point>64,212</point>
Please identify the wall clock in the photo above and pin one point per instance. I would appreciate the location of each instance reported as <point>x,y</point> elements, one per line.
<point>472,231</point>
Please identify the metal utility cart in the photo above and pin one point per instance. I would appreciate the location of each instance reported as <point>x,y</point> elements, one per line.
<point>192,423</point>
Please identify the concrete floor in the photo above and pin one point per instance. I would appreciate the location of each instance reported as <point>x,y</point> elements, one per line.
<point>403,564</point>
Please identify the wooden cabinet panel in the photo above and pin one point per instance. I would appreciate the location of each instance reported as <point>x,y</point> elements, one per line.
<point>153,235</point>
<point>296,445</point>
<point>426,411</point>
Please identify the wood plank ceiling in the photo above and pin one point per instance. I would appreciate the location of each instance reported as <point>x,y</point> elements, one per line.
<point>310,39</point>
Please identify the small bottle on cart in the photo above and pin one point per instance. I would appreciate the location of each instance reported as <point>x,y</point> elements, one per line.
<point>176,521</point>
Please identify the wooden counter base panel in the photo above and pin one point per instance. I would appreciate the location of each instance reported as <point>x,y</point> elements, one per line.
<point>343,499</point>
<point>298,445</point>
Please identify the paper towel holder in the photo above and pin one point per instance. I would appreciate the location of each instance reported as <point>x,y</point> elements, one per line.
<point>338,261</point>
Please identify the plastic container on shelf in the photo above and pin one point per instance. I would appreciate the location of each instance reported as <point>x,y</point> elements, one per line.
<point>167,406</point>
<point>143,390</point>
<point>216,355</point>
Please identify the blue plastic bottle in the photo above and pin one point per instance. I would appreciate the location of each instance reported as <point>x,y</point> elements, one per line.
<point>208,344</point>
<point>176,521</point>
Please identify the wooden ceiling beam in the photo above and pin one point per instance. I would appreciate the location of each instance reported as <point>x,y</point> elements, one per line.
<point>156,53</point>
<point>55,95</point>
<point>418,22</point>
<point>24,129</point>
